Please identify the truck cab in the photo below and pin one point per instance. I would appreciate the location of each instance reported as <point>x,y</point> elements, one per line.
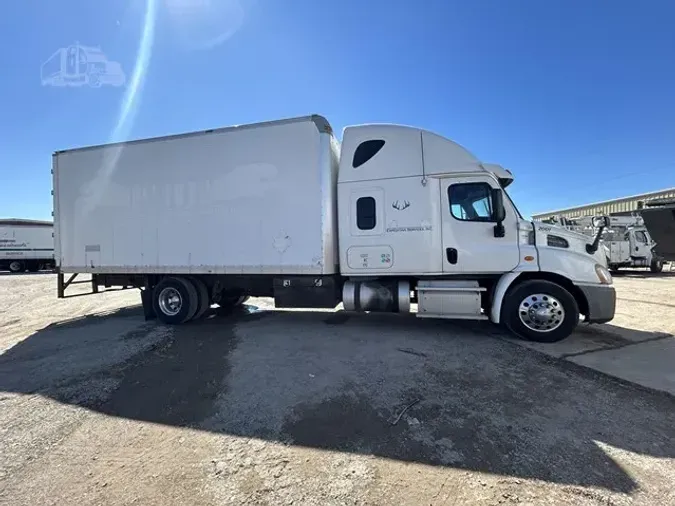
<point>632,247</point>
<point>422,210</point>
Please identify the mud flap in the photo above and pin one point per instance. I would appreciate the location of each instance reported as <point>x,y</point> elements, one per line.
<point>146,300</point>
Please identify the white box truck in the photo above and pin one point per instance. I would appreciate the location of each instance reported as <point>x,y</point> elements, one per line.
<point>26,245</point>
<point>393,215</point>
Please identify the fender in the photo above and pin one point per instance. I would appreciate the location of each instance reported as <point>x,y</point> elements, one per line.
<point>500,291</point>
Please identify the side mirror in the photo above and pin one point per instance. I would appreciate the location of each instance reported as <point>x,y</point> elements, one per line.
<point>498,211</point>
<point>599,222</point>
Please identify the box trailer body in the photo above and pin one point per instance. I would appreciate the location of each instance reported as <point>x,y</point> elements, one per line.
<point>213,203</point>
<point>390,216</point>
<point>26,245</point>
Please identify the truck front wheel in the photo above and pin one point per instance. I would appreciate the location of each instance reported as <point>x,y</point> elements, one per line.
<point>541,311</point>
<point>175,300</point>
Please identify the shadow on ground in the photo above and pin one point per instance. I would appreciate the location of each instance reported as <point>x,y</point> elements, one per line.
<point>339,382</point>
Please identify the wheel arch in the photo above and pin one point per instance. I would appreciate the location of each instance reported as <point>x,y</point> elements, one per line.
<point>512,279</point>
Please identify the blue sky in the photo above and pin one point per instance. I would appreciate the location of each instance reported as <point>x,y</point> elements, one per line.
<point>577,98</point>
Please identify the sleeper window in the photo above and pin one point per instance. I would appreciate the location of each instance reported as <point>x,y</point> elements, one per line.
<point>366,218</point>
<point>365,151</point>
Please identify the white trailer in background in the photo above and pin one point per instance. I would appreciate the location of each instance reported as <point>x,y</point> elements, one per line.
<point>393,215</point>
<point>26,245</point>
<point>627,241</point>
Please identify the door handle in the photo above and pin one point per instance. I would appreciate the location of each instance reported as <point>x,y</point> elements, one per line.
<point>451,254</point>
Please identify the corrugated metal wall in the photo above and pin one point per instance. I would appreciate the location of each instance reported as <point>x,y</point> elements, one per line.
<point>620,206</point>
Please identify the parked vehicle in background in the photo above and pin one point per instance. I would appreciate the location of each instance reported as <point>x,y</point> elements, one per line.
<point>26,245</point>
<point>659,217</point>
<point>391,216</point>
<point>627,241</point>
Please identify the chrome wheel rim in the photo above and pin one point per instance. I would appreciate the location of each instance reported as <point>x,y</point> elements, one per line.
<point>15,266</point>
<point>541,312</point>
<point>170,301</point>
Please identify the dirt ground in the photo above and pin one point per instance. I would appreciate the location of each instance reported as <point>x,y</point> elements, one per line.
<point>99,407</point>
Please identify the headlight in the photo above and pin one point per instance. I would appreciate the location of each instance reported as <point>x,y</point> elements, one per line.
<point>603,274</point>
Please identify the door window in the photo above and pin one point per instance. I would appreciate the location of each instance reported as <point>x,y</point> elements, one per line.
<point>471,201</point>
<point>640,236</point>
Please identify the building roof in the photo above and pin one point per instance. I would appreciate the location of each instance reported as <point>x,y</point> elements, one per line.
<point>29,223</point>
<point>641,196</point>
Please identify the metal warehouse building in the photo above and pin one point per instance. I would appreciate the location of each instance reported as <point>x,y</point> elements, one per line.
<point>624,205</point>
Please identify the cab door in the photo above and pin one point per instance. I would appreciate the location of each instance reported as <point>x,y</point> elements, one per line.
<point>471,242</point>
<point>640,244</point>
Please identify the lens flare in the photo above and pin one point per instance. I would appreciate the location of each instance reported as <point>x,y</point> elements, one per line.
<point>205,24</point>
<point>129,107</point>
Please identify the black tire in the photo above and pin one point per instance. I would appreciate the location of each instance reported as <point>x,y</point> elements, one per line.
<point>232,301</point>
<point>33,267</point>
<point>656,265</point>
<point>229,303</point>
<point>203,299</point>
<point>241,300</point>
<point>511,315</point>
<point>17,266</point>
<point>187,306</point>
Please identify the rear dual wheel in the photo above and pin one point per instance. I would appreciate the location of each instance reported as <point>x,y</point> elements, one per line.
<point>180,299</point>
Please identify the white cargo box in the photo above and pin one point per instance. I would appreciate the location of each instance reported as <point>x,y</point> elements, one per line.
<point>253,199</point>
<point>26,239</point>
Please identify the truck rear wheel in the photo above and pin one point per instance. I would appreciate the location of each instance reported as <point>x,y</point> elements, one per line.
<point>230,302</point>
<point>16,266</point>
<point>175,300</point>
<point>540,311</point>
<point>203,299</point>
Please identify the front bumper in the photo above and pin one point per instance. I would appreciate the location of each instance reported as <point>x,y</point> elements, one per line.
<point>601,302</point>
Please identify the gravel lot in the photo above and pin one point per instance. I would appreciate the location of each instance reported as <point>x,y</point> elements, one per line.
<point>98,406</point>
